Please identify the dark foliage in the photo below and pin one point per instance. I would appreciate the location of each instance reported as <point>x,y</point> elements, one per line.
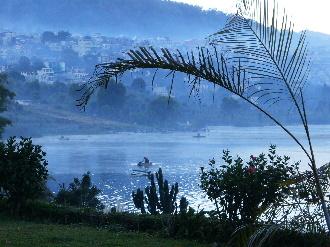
<point>45,212</point>
<point>151,197</point>
<point>80,193</point>
<point>167,194</point>
<point>161,200</point>
<point>49,36</point>
<point>138,200</point>
<point>111,101</point>
<point>23,171</point>
<point>162,113</point>
<point>5,97</point>
<point>139,84</point>
<point>183,205</point>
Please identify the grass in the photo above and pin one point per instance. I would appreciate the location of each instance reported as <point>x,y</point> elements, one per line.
<point>15,233</point>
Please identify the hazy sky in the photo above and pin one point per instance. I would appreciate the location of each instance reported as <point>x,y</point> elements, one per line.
<point>312,15</point>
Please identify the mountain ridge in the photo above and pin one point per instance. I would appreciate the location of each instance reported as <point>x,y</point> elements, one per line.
<point>143,18</point>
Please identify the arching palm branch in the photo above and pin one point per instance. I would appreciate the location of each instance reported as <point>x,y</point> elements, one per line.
<point>257,57</point>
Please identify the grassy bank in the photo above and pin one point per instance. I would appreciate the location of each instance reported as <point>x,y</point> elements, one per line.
<point>43,224</point>
<point>14,233</point>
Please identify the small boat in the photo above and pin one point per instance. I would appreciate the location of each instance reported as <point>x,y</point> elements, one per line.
<point>145,163</point>
<point>62,138</point>
<point>199,136</point>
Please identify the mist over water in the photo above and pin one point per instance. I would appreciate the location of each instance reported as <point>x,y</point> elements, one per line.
<point>112,157</point>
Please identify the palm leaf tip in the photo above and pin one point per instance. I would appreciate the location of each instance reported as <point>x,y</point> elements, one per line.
<point>267,49</point>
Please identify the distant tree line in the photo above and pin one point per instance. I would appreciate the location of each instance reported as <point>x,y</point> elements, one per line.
<point>132,102</point>
<point>49,36</point>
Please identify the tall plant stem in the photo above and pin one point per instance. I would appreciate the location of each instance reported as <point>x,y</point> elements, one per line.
<point>314,169</point>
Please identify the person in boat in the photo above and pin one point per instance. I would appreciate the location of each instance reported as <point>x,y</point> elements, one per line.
<point>146,160</point>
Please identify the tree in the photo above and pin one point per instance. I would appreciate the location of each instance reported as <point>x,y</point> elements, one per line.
<point>5,97</point>
<point>48,36</point>
<point>23,171</point>
<point>23,65</point>
<point>161,112</point>
<point>114,97</point>
<point>259,61</point>
<point>139,85</point>
<point>70,57</point>
<point>63,35</point>
<point>35,89</point>
<point>36,64</point>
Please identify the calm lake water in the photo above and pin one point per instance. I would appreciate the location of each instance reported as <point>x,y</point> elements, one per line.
<point>112,157</point>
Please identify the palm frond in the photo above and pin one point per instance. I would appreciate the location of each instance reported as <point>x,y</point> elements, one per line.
<point>201,64</point>
<point>205,63</point>
<point>263,235</point>
<point>241,236</point>
<point>252,236</point>
<point>261,38</point>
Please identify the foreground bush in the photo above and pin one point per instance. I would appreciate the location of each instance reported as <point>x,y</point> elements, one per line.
<point>80,193</point>
<point>242,192</point>
<point>23,171</point>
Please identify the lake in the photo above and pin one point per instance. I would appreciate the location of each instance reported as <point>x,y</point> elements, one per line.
<point>112,157</point>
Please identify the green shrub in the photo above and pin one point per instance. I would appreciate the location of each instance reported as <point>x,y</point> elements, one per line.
<point>23,171</point>
<point>80,194</point>
<point>242,192</point>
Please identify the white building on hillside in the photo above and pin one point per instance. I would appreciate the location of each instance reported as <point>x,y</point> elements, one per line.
<point>77,76</point>
<point>29,77</point>
<point>105,59</point>
<point>160,91</point>
<point>46,75</point>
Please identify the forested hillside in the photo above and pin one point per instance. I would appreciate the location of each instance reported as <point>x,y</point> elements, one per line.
<point>142,18</point>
